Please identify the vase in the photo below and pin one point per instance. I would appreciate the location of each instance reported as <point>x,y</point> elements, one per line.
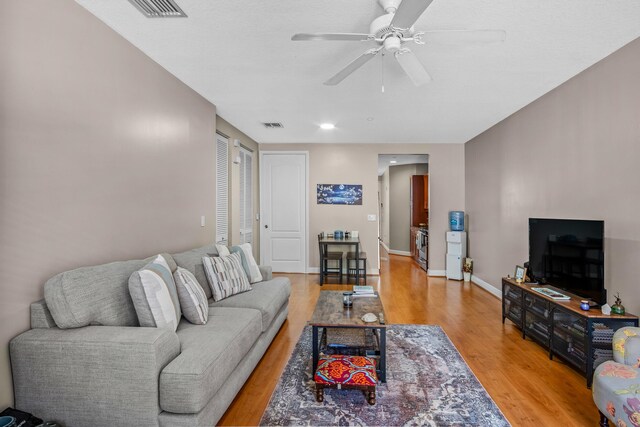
<point>466,276</point>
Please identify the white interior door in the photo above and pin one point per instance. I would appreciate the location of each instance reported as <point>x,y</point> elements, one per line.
<point>283,206</point>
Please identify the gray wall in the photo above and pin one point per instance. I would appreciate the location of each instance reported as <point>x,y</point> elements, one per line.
<point>571,154</point>
<point>103,155</point>
<point>358,164</point>
<point>400,206</point>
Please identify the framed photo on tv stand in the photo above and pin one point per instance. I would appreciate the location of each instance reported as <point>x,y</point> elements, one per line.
<point>521,274</point>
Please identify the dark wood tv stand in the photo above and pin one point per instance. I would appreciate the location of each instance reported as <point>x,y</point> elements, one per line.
<point>580,338</point>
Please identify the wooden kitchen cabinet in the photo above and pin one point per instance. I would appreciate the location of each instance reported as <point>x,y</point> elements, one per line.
<point>419,200</point>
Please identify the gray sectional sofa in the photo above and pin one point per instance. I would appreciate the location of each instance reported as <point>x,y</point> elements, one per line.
<point>86,362</point>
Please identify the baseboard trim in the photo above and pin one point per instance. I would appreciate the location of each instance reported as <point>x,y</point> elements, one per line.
<point>384,245</point>
<point>401,253</point>
<point>486,286</point>
<point>436,273</point>
<point>370,271</point>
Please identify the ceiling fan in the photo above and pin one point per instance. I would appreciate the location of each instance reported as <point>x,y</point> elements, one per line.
<point>392,31</point>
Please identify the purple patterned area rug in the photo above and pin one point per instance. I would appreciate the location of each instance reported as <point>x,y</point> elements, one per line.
<point>428,383</point>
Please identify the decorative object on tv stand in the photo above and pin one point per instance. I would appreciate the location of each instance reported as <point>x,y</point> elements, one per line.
<point>339,194</point>
<point>520,274</point>
<point>584,305</point>
<point>467,269</point>
<point>617,308</point>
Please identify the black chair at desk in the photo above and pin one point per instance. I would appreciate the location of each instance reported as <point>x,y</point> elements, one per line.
<point>326,258</point>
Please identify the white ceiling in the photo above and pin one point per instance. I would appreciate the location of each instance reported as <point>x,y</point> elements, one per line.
<point>384,160</point>
<point>238,55</point>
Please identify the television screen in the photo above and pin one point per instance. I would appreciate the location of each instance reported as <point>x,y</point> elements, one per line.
<point>568,254</point>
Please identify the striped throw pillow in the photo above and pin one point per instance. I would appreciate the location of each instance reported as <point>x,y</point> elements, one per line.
<point>225,275</point>
<point>193,300</point>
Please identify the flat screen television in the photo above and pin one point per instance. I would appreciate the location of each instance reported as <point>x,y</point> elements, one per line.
<point>568,254</point>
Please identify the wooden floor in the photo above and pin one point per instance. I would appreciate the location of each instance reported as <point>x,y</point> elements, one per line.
<point>530,389</point>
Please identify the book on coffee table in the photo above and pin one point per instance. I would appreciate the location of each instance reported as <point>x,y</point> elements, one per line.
<point>551,293</point>
<point>363,290</point>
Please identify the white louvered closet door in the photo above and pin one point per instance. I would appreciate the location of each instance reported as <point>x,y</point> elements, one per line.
<point>246,196</point>
<point>222,189</point>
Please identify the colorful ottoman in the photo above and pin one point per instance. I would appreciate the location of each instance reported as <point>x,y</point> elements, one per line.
<point>346,372</point>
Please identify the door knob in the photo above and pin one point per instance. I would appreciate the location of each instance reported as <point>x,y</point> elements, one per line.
<point>266,226</point>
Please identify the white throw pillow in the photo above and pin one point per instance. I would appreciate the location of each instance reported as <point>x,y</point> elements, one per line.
<point>248,262</point>
<point>193,300</point>
<point>152,291</point>
<point>225,275</point>
<point>223,250</point>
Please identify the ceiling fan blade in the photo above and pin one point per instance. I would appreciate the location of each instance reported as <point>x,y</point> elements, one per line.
<point>412,66</point>
<point>331,37</point>
<point>353,66</point>
<point>464,36</point>
<point>408,13</point>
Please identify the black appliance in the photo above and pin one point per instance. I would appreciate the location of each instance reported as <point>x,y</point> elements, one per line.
<point>422,243</point>
<point>568,254</point>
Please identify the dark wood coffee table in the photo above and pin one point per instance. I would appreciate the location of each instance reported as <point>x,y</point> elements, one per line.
<point>331,313</point>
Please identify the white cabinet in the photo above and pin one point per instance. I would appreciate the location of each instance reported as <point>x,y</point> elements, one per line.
<point>456,253</point>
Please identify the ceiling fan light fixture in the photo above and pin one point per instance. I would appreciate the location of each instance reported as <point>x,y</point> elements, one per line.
<point>327,126</point>
<point>392,44</point>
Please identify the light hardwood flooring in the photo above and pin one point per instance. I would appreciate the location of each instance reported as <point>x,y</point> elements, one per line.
<point>530,389</point>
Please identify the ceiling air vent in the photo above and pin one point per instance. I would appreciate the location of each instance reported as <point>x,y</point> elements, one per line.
<point>273,125</point>
<point>159,8</point>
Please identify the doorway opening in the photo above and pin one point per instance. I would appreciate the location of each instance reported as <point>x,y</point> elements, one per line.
<point>403,207</point>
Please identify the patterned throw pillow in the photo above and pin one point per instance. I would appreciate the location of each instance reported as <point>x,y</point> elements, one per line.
<point>225,275</point>
<point>193,300</point>
<point>154,295</point>
<point>248,262</point>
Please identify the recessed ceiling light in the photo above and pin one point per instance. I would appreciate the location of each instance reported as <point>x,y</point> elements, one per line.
<point>327,126</point>
<point>393,162</point>
<point>369,119</point>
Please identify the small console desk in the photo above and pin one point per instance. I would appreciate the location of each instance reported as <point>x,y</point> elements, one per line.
<point>580,338</point>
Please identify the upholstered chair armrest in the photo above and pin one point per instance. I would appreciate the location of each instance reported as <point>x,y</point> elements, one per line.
<point>266,271</point>
<point>79,376</point>
<point>626,346</point>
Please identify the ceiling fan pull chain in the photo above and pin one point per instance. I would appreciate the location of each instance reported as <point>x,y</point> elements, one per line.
<point>382,70</point>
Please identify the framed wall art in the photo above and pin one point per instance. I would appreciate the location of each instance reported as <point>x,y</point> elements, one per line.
<point>339,194</point>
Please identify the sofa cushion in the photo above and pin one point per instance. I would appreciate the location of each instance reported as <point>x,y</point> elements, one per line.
<point>209,355</point>
<point>193,301</point>
<point>192,261</point>
<point>226,275</point>
<point>267,297</point>
<point>154,295</point>
<point>97,295</point>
